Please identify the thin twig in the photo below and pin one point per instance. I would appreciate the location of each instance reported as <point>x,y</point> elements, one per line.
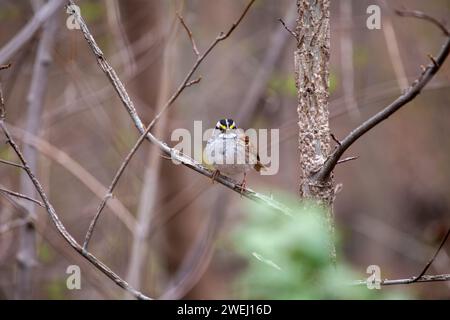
<point>347,159</point>
<point>335,139</point>
<point>8,51</point>
<point>61,228</point>
<point>173,153</point>
<point>402,100</point>
<point>294,34</point>
<point>430,262</point>
<point>387,282</point>
<point>424,16</point>
<point>11,225</point>
<point>189,32</point>
<point>192,82</point>
<point>22,196</point>
<point>9,163</point>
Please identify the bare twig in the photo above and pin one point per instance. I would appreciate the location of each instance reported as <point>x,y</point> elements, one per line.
<point>26,33</point>
<point>347,159</point>
<point>26,254</point>
<point>257,88</point>
<point>394,50</point>
<point>430,262</point>
<point>173,153</point>
<point>111,188</point>
<point>189,32</point>
<point>77,170</point>
<point>424,16</point>
<point>387,282</point>
<point>22,196</point>
<point>295,35</point>
<point>192,82</point>
<point>197,259</point>
<point>59,225</point>
<point>13,164</point>
<point>402,100</point>
<point>335,139</point>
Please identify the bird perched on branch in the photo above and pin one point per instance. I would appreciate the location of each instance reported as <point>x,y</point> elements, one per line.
<point>230,151</point>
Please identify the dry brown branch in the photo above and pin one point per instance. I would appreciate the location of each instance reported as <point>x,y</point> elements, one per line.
<point>21,196</point>
<point>295,35</point>
<point>9,163</point>
<point>430,262</point>
<point>11,225</point>
<point>189,32</point>
<point>424,16</point>
<point>173,153</point>
<point>54,216</point>
<point>77,170</point>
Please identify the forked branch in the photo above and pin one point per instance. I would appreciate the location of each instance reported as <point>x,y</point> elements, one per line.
<point>412,92</point>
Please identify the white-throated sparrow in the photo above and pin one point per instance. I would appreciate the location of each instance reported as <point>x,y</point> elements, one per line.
<point>230,152</point>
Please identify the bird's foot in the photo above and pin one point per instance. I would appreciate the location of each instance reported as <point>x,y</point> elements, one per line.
<point>214,176</point>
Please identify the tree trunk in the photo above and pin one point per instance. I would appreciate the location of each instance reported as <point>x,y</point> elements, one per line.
<point>26,255</point>
<point>311,60</point>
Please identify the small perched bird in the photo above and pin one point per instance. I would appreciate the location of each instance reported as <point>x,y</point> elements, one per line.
<point>230,152</point>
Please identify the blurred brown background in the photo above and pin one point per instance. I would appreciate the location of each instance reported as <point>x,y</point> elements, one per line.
<point>392,210</point>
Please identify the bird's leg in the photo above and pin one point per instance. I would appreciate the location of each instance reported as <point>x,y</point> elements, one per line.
<point>215,174</point>
<point>243,183</point>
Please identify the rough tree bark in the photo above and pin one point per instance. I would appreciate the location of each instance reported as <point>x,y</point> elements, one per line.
<point>311,60</point>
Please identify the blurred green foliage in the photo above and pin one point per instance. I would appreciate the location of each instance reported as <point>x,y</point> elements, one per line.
<point>288,258</point>
<point>56,289</point>
<point>45,253</point>
<point>92,11</point>
<point>9,13</point>
<point>285,83</point>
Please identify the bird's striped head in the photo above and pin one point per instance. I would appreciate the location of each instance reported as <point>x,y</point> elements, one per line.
<point>226,124</point>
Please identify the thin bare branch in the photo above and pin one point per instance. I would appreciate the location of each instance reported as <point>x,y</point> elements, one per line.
<point>192,82</point>
<point>5,66</point>
<point>173,153</point>
<point>412,92</point>
<point>295,35</point>
<point>61,228</point>
<point>22,196</point>
<point>430,262</point>
<point>11,225</point>
<point>13,164</point>
<point>189,32</point>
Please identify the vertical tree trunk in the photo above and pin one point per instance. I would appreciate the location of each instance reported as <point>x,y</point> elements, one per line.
<point>26,255</point>
<point>311,60</point>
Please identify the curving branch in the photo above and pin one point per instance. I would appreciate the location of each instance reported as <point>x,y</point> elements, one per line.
<point>54,216</point>
<point>164,148</point>
<point>387,282</point>
<point>59,225</point>
<point>421,277</point>
<point>412,92</point>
